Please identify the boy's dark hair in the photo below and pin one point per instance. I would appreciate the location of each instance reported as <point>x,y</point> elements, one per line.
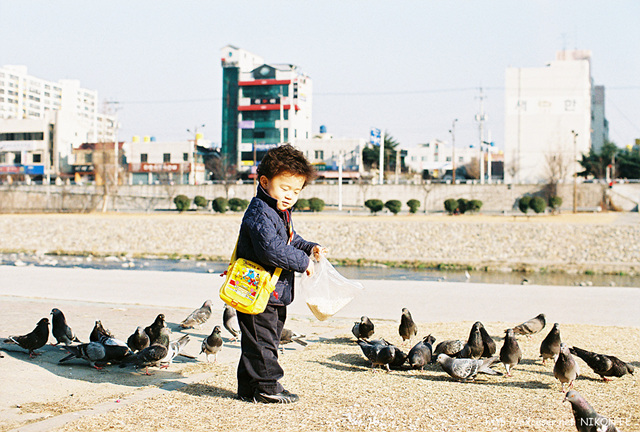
<point>286,159</point>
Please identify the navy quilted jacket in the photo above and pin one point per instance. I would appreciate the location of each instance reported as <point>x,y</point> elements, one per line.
<point>263,240</point>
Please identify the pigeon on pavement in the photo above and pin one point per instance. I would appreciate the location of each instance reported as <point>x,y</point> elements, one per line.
<point>602,364</point>
<point>489,345</point>
<point>420,354</point>
<point>229,320</point>
<point>95,352</point>
<point>198,316</point>
<point>474,347</point>
<point>150,356</point>
<point>408,328</point>
<point>363,329</point>
<point>448,347</point>
<point>566,369</point>
<point>60,330</point>
<point>510,353</point>
<point>174,349</point>
<point>99,329</point>
<point>466,369</point>
<point>153,331</point>
<point>378,354</point>
<point>587,419</point>
<point>34,340</point>
<point>287,336</point>
<point>550,346</point>
<point>212,344</point>
<point>533,326</point>
<point>139,340</point>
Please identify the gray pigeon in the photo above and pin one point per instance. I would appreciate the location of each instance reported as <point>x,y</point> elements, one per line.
<point>150,356</point>
<point>566,369</point>
<point>212,344</point>
<point>489,345</point>
<point>587,419</point>
<point>110,340</point>
<point>287,336</point>
<point>95,352</point>
<point>60,330</point>
<point>602,364</point>
<point>378,354</point>
<point>174,349</point>
<point>550,346</point>
<point>229,320</point>
<point>448,347</point>
<point>474,347</point>
<point>99,329</point>
<point>139,340</point>
<point>420,354</point>
<point>510,353</point>
<point>533,326</point>
<point>34,340</point>
<point>198,316</point>
<point>466,369</point>
<point>408,328</point>
<point>153,330</point>
<point>363,329</point>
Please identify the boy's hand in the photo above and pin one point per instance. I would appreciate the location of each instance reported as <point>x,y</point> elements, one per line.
<point>310,268</point>
<point>319,251</point>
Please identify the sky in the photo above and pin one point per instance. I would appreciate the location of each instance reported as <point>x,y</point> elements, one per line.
<point>408,67</point>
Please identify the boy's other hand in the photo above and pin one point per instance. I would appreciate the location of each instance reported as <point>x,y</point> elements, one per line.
<point>310,268</point>
<point>319,251</point>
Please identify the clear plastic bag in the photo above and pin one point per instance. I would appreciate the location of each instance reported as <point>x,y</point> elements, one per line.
<point>327,291</point>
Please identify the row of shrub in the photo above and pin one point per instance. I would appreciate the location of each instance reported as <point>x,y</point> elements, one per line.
<point>220,205</point>
<point>538,204</point>
<point>394,206</point>
<point>462,205</point>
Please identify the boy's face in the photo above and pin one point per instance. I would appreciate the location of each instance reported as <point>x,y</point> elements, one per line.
<point>284,187</point>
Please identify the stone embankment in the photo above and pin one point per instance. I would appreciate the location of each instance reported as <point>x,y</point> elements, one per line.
<point>586,243</point>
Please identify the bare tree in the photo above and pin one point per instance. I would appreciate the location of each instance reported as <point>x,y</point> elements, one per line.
<point>473,169</point>
<point>513,168</point>
<point>223,170</point>
<point>556,170</point>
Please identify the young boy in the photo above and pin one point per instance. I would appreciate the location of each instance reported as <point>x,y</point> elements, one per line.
<point>264,235</point>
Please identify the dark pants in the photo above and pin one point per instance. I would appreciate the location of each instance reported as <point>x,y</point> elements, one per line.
<point>258,368</point>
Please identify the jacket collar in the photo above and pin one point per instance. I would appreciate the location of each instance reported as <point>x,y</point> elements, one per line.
<point>264,196</point>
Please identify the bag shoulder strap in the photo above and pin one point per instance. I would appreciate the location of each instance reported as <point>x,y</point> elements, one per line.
<point>278,270</point>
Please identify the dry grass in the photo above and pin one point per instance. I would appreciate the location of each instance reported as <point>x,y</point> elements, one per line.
<point>340,392</point>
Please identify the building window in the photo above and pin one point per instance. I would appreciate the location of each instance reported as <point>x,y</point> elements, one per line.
<point>144,157</point>
<point>185,157</point>
<point>37,158</point>
<point>17,158</point>
<point>88,158</point>
<point>166,157</point>
<point>319,154</point>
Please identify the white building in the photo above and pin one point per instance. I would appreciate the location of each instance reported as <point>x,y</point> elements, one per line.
<point>436,157</point>
<point>548,117</point>
<point>62,114</point>
<point>326,153</point>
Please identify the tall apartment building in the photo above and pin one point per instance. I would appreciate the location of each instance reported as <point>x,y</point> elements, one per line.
<point>42,121</point>
<point>550,117</point>
<point>263,105</point>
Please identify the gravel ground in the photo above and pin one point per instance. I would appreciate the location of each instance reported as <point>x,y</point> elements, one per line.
<point>574,243</point>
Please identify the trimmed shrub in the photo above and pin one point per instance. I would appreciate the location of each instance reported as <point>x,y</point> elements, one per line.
<point>450,205</point>
<point>200,201</point>
<point>374,205</point>
<point>302,204</point>
<point>220,204</point>
<point>394,206</point>
<point>414,205</point>
<point>316,204</point>
<point>238,204</point>
<point>474,205</point>
<point>523,204</point>
<point>463,205</point>
<point>555,202</point>
<point>538,204</point>
<point>182,202</point>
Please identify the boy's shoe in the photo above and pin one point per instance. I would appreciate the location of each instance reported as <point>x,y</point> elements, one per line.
<point>246,398</point>
<point>284,397</point>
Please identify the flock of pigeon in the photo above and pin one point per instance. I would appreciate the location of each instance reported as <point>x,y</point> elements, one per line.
<point>463,361</point>
<point>146,347</point>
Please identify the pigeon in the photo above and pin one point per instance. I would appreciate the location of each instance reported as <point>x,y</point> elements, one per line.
<point>34,340</point>
<point>95,352</point>
<point>602,364</point>
<point>110,340</point>
<point>466,369</point>
<point>98,329</point>
<point>174,349</point>
<point>587,419</point>
<point>533,326</point>
<point>566,369</point>
<point>448,347</point>
<point>378,354</point>
<point>420,354</point>
<point>60,330</point>
<point>287,336</point>
<point>229,320</point>
<point>212,344</point>
<point>150,356</point>
<point>139,340</point>
<point>153,331</point>
<point>489,345</point>
<point>198,316</point>
<point>510,353</point>
<point>474,347</point>
<point>550,346</point>
<point>408,328</point>
<point>363,329</point>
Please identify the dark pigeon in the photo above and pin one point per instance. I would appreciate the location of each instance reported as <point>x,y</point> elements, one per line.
<point>34,340</point>
<point>139,340</point>
<point>602,364</point>
<point>229,320</point>
<point>378,354</point>
<point>474,347</point>
<point>566,369</point>
<point>363,329</point>
<point>466,369</point>
<point>99,329</point>
<point>175,348</point>
<point>153,331</point>
<point>212,344</point>
<point>287,336</point>
<point>95,352</point>
<point>150,356</point>
<point>550,346</point>
<point>420,354</point>
<point>489,345</point>
<point>587,419</point>
<point>533,326</point>
<point>198,316</point>
<point>510,353</point>
<point>60,330</point>
<point>448,347</point>
<point>408,328</point>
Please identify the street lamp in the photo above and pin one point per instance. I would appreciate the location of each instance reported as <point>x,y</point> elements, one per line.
<point>192,177</point>
<point>575,172</point>
<point>453,151</point>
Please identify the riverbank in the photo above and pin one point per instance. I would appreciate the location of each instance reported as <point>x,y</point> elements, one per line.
<point>582,243</point>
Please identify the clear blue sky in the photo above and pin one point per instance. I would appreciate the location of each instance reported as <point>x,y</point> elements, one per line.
<point>409,67</point>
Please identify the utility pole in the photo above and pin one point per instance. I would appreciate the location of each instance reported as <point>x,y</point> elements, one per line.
<point>192,176</point>
<point>481,118</point>
<point>381,158</point>
<point>453,151</point>
<point>575,172</point>
<point>280,96</point>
